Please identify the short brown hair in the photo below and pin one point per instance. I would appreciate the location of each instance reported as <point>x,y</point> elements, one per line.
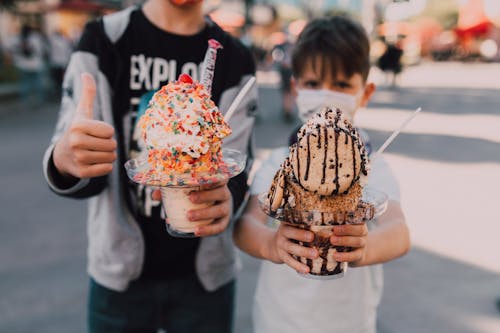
<point>339,42</point>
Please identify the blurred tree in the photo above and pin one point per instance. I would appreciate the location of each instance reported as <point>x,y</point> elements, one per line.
<point>119,3</point>
<point>248,6</point>
<point>6,4</point>
<point>444,11</point>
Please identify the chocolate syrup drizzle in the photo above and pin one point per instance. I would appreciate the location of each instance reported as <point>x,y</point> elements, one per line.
<point>306,176</point>
<point>324,254</point>
<point>350,132</point>
<point>277,183</point>
<point>337,133</point>
<point>298,161</point>
<point>353,180</point>
<point>272,190</point>
<point>325,151</point>
<point>309,263</point>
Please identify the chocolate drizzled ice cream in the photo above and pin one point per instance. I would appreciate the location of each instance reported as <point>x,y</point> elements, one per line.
<point>329,157</point>
<point>325,169</point>
<point>320,184</point>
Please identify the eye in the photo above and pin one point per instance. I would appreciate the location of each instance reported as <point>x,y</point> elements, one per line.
<point>342,84</point>
<point>311,84</point>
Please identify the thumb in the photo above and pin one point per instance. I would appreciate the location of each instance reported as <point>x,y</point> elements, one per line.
<point>86,104</point>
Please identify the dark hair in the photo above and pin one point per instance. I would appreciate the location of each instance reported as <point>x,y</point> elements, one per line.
<point>339,44</point>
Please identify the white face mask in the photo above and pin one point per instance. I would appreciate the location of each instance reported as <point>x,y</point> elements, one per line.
<point>309,101</point>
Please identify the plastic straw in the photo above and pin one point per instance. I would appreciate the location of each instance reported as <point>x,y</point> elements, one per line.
<point>236,102</point>
<point>397,131</point>
<point>207,74</point>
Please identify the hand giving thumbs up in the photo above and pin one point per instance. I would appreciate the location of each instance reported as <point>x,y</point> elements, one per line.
<point>87,148</point>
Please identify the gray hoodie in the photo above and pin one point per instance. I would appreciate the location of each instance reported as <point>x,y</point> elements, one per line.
<point>115,242</point>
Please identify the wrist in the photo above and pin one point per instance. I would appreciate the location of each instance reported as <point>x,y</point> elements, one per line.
<point>61,177</point>
<point>56,160</point>
<point>361,261</point>
<point>268,248</point>
<point>272,248</point>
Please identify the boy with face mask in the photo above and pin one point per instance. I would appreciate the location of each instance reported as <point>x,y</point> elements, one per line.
<point>330,67</point>
<point>141,278</point>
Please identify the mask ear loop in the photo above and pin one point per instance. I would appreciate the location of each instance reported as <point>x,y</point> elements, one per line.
<point>357,97</point>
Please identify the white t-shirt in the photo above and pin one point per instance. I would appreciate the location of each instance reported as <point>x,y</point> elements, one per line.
<point>287,302</point>
<point>60,50</point>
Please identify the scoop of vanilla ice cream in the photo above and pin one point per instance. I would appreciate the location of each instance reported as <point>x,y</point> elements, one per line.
<point>329,156</point>
<point>186,138</point>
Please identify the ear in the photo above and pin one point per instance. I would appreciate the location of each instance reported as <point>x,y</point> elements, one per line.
<point>293,87</point>
<point>367,94</point>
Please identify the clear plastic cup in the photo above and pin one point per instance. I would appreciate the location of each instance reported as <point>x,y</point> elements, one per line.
<point>175,188</point>
<point>176,203</point>
<point>324,267</point>
<point>321,223</point>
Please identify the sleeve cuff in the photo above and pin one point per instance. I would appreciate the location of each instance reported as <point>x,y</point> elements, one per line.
<point>54,179</point>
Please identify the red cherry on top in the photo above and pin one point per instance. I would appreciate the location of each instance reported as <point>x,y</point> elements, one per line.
<point>185,78</point>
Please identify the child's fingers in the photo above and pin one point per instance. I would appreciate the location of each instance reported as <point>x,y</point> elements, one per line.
<point>359,230</point>
<point>96,128</point>
<point>94,157</point>
<point>216,211</point>
<point>296,233</point>
<point>219,193</point>
<point>216,227</point>
<point>351,256</point>
<point>86,142</point>
<point>298,250</point>
<point>296,265</point>
<point>349,241</point>
<point>86,104</point>
<point>94,170</point>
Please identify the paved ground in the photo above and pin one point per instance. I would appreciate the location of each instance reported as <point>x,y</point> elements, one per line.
<point>448,163</point>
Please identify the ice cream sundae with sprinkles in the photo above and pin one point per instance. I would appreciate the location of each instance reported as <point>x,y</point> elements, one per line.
<point>183,131</point>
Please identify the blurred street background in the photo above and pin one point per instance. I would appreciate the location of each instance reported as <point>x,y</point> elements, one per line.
<point>447,160</point>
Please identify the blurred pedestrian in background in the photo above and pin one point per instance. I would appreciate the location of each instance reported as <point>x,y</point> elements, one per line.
<point>141,278</point>
<point>2,56</point>
<point>28,54</point>
<point>282,60</point>
<point>330,65</point>
<point>60,49</point>
<point>390,61</point>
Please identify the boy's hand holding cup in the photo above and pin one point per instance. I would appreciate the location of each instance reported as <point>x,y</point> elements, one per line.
<point>204,211</point>
<point>287,246</point>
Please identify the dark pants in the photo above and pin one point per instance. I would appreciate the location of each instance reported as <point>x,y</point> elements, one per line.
<point>57,75</point>
<point>32,88</point>
<point>179,306</point>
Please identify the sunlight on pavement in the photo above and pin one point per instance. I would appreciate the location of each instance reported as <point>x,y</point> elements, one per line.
<point>480,126</point>
<point>451,75</point>
<point>452,209</point>
<point>481,324</point>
